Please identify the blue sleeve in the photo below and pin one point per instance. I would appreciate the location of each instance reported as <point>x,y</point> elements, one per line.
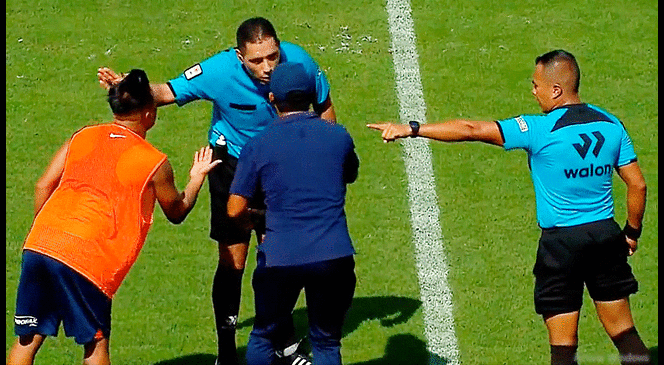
<point>322,86</point>
<point>627,154</point>
<point>196,81</point>
<point>245,180</point>
<point>185,90</point>
<point>518,132</point>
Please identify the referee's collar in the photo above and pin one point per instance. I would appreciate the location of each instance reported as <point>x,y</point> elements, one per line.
<point>568,106</point>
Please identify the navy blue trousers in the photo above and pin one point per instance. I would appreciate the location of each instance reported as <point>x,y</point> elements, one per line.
<point>328,287</point>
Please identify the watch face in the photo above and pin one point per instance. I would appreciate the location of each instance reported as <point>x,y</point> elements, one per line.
<point>415,127</point>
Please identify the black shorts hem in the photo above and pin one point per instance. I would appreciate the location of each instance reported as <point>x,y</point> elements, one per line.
<point>610,296</point>
<point>29,332</point>
<point>543,309</point>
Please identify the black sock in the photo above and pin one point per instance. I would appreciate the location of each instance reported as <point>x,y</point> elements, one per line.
<point>226,293</point>
<point>631,348</point>
<point>563,355</point>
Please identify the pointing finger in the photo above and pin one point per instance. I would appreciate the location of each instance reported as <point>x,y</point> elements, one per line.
<point>378,127</point>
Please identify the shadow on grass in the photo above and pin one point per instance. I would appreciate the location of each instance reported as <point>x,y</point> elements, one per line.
<point>405,349</point>
<point>194,359</point>
<point>400,350</point>
<point>201,359</point>
<point>390,311</point>
<point>654,355</point>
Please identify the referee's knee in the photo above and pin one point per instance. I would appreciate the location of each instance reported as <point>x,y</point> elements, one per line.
<point>231,264</point>
<point>233,256</point>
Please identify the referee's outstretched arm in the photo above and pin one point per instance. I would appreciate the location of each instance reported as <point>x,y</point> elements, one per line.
<point>457,130</point>
<point>162,93</point>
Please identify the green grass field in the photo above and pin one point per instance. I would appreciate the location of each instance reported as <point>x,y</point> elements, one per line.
<point>476,59</point>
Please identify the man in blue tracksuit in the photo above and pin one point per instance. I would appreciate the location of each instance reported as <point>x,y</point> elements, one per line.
<point>572,151</point>
<point>302,165</point>
<point>236,82</point>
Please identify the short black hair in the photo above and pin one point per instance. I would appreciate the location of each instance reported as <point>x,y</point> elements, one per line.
<point>564,56</point>
<point>254,29</point>
<point>131,94</point>
<point>296,100</point>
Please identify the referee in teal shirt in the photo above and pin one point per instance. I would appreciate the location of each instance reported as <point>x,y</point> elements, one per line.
<point>572,151</point>
<point>236,82</point>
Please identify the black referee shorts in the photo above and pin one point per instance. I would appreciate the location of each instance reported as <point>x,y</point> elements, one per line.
<point>594,254</point>
<point>223,229</point>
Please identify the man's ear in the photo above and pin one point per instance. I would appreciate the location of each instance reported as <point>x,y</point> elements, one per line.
<point>147,114</point>
<point>272,101</point>
<point>557,91</point>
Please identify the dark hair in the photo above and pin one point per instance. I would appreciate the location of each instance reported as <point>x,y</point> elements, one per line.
<point>130,94</point>
<point>254,29</point>
<point>296,100</point>
<point>560,55</point>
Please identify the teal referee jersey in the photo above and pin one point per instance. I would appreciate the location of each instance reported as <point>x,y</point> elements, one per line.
<point>572,152</point>
<point>241,108</point>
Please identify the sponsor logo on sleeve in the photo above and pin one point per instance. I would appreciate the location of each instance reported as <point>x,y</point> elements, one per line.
<point>523,126</point>
<point>193,71</point>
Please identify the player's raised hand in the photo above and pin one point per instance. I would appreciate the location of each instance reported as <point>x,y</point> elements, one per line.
<point>203,162</point>
<point>108,77</point>
<point>391,131</point>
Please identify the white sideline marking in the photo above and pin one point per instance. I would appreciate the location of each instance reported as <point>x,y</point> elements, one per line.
<point>431,263</point>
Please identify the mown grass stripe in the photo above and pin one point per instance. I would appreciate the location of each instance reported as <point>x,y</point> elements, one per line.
<point>427,236</point>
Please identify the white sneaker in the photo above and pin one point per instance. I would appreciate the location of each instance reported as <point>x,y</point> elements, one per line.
<point>289,356</point>
<point>295,359</point>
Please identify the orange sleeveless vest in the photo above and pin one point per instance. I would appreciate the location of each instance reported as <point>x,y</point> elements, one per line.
<point>97,218</point>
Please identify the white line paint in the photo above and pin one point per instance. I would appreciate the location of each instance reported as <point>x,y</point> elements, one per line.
<point>431,262</point>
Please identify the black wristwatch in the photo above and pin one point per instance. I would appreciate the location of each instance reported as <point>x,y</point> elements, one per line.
<point>414,128</point>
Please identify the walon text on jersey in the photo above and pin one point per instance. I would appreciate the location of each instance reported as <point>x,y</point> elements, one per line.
<point>590,171</point>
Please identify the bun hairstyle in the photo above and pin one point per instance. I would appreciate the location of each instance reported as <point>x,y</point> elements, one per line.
<point>131,93</point>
